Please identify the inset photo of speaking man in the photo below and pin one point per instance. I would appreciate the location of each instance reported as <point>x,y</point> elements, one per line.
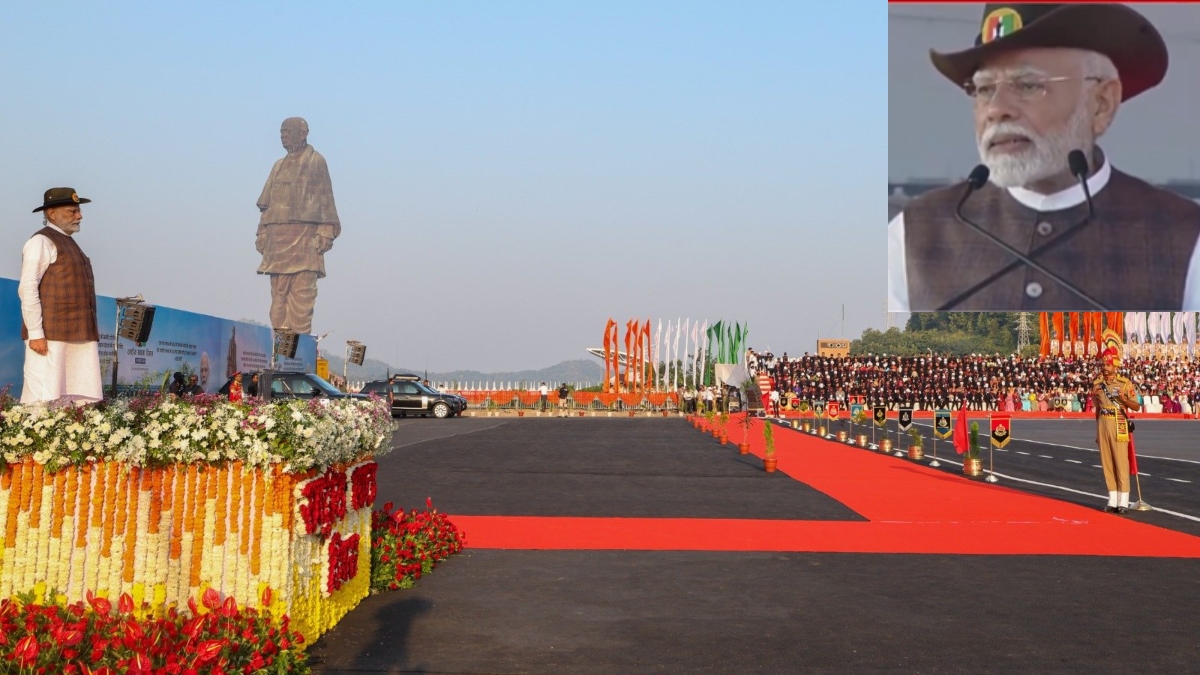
<point>1044,157</point>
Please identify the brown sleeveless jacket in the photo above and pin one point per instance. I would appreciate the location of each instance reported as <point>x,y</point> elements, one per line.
<point>1133,256</point>
<point>68,293</point>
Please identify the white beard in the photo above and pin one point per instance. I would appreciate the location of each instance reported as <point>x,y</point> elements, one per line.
<point>1046,158</point>
<point>68,226</point>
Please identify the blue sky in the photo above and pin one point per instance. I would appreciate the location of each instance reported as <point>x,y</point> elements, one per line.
<point>508,174</point>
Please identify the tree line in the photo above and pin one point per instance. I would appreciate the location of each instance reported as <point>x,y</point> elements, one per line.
<point>957,333</point>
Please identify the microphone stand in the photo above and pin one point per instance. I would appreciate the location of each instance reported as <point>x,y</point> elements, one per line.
<point>1071,231</point>
<point>1021,257</point>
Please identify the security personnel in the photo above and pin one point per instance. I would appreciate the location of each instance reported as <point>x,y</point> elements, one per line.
<point>563,393</point>
<point>1114,396</point>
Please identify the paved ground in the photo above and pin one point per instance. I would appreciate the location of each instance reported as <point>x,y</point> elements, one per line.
<point>1058,458</point>
<point>530,611</point>
<point>590,467</point>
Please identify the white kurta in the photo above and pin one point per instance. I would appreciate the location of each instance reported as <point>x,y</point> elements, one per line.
<point>71,370</point>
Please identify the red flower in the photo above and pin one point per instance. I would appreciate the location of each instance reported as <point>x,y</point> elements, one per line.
<point>193,626</point>
<point>229,607</point>
<point>68,637</point>
<point>125,604</point>
<point>140,665</point>
<point>211,598</point>
<point>101,605</point>
<point>26,651</point>
<point>208,650</point>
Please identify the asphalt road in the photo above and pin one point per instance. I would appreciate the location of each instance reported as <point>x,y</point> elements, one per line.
<point>585,612</point>
<point>1060,459</point>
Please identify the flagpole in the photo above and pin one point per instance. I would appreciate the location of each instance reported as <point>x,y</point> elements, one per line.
<point>991,452</point>
<point>911,420</point>
<point>1140,505</point>
<point>934,462</point>
<point>1137,477</point>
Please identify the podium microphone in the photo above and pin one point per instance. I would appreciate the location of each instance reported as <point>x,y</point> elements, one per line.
<point>1077,162</point>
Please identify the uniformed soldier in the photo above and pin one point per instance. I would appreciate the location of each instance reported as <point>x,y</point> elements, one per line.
<point>1114,395</point>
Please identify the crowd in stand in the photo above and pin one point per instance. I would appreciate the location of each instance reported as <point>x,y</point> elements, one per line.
<point>1000,383</point>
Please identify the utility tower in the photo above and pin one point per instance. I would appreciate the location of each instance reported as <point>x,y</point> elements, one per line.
<point>1023,329</point>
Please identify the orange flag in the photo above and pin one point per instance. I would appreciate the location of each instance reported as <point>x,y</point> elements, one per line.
<point>1116,321</point>
<point>608,345</point>
<point>635,357</point>
<point>1057,320</point>
<point>628,351</point>
<point>1044,329</point>
<point>1072,335</point>
<point>646,356</point>
<point>616,348</point>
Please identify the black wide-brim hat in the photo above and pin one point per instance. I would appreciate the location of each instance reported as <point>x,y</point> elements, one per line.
<point>1123,35</point>
<point>60,196</point>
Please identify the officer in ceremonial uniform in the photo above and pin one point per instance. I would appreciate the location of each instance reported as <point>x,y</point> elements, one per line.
<point>1114,395</point>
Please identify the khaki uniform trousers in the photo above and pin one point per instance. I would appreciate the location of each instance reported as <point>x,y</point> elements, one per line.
<point>1114,455</point>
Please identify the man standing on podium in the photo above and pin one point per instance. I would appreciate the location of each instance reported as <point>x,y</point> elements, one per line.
<point>58,307</point>
<point>1045,81</point>
<point>1114,396</point>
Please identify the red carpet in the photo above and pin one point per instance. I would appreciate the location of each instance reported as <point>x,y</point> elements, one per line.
<point>978,414</point>
<point>912,509</point>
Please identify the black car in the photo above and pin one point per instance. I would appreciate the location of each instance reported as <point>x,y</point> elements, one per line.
<point>409,396</point>
<point>292,385</point>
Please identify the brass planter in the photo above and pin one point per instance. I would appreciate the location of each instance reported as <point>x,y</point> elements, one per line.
<point>862,440</point>
<point>842,436</point>
<point>915,452</point>
<point>821,430</point>
<point>807,427</point>
<point>795,424</point>
<point>885,445</point>
<point>973,467</point>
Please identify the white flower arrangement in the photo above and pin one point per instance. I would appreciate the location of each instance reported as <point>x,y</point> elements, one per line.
<point>157,431</point>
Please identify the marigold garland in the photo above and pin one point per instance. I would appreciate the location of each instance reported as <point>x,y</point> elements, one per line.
<point>165,535</point>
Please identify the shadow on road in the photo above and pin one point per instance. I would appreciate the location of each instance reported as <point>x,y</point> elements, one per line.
<point>383,639</point>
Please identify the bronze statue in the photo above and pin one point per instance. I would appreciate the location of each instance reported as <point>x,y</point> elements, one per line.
<point>298,225</point>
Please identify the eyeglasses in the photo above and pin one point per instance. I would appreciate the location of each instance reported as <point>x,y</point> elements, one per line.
<point>1025,89</point>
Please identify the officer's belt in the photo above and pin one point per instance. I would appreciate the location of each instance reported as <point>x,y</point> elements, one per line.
<point>1108,412</point>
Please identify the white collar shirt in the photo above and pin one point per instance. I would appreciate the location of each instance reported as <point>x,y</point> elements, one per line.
<point>1058,201</point>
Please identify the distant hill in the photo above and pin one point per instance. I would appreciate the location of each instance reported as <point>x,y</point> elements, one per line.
<point>579,370</point>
